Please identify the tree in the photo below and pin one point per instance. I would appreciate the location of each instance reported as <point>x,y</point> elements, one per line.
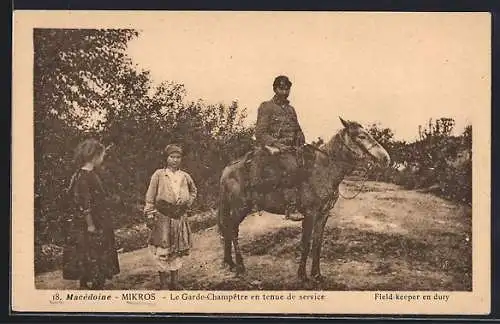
<point>79,76</point>
<point>86,85</point>
<point>441,127</point>
<point>467,136</point>
<point>382,135</point>
<point>318,142</point>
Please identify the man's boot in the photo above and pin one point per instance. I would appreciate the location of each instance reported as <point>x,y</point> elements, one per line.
<point>257,197</point>
<point>293,214</point>
<point>291,211</point>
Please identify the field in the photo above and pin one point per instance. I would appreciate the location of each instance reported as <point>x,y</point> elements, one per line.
<point>386,238</point>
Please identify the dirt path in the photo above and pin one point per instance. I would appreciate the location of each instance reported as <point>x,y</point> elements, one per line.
<point>386,238</point>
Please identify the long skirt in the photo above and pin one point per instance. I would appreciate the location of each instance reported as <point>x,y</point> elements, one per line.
<point>89,256</point>
<point>169,242</point>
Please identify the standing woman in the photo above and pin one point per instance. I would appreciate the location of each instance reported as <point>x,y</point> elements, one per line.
<point>89,254</point>
<point>171,192</point>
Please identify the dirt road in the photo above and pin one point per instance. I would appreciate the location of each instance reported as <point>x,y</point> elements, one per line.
<point>386,238</point>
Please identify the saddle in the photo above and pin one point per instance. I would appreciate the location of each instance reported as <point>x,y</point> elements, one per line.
<point>268,158</point>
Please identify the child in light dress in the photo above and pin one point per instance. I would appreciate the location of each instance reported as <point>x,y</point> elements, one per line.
<point>170,193</point>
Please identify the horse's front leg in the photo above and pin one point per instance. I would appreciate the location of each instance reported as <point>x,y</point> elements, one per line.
<point>240,267</point>
<point>228,258</point>
<point>317,240</point>
<point>306,245</point>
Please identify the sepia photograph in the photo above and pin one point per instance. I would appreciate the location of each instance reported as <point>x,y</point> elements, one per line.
<point>200,154</point>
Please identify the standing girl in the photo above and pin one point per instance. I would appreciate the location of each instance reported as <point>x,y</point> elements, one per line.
<point>171,192</point>
<point>89,253</point>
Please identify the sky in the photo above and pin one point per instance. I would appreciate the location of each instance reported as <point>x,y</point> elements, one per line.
<point>398,70</point>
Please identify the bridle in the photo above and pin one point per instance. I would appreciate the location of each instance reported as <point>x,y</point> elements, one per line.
<point>344,144</point>
<point>354,153</point>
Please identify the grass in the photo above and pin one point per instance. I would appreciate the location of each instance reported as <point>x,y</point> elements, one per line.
<point>387,238</point>
<point>128,239</point>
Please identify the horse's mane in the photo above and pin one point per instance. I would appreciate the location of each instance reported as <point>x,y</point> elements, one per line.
<point>329,145</point>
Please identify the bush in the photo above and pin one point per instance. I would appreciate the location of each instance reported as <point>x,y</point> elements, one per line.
<point>439,161</point>
<point>48,257</point>
<point>456,183</point>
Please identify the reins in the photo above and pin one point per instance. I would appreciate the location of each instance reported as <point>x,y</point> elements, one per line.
<point>365,176</point>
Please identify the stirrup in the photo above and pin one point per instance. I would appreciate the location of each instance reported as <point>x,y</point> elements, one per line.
<point>293,214</point>
<point>297,217</point>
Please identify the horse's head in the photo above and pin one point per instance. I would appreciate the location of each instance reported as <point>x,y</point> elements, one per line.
<point>361,145</point>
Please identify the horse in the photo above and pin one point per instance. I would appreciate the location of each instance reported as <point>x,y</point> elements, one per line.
<point>319,191</point>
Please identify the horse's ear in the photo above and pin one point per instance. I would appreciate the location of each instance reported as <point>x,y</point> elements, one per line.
<point>346,124</point>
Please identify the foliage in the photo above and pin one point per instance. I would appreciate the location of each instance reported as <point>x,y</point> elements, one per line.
<point>78,74</point>
<point>438,160</point>
<point>382,135</point>
<point>86,85</point>
<point>318,142</point>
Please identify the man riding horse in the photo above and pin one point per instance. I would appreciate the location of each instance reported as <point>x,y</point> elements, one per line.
<point>279,137</point>
<point>316,171</point>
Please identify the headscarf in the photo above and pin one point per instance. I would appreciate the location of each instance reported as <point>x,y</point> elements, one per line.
<point>173,148</point>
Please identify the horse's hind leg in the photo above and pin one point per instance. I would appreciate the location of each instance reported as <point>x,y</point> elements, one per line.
<point>319,228</point>
<point>228,257</point>
<point>240,267</point>
<point>306,246</point>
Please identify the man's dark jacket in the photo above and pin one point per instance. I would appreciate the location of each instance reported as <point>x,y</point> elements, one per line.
<point>277,124</point>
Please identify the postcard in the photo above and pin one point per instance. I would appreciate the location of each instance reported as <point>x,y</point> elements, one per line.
<point>207,162</point>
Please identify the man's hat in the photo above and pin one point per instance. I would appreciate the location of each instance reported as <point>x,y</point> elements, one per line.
<point>282,81</point>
